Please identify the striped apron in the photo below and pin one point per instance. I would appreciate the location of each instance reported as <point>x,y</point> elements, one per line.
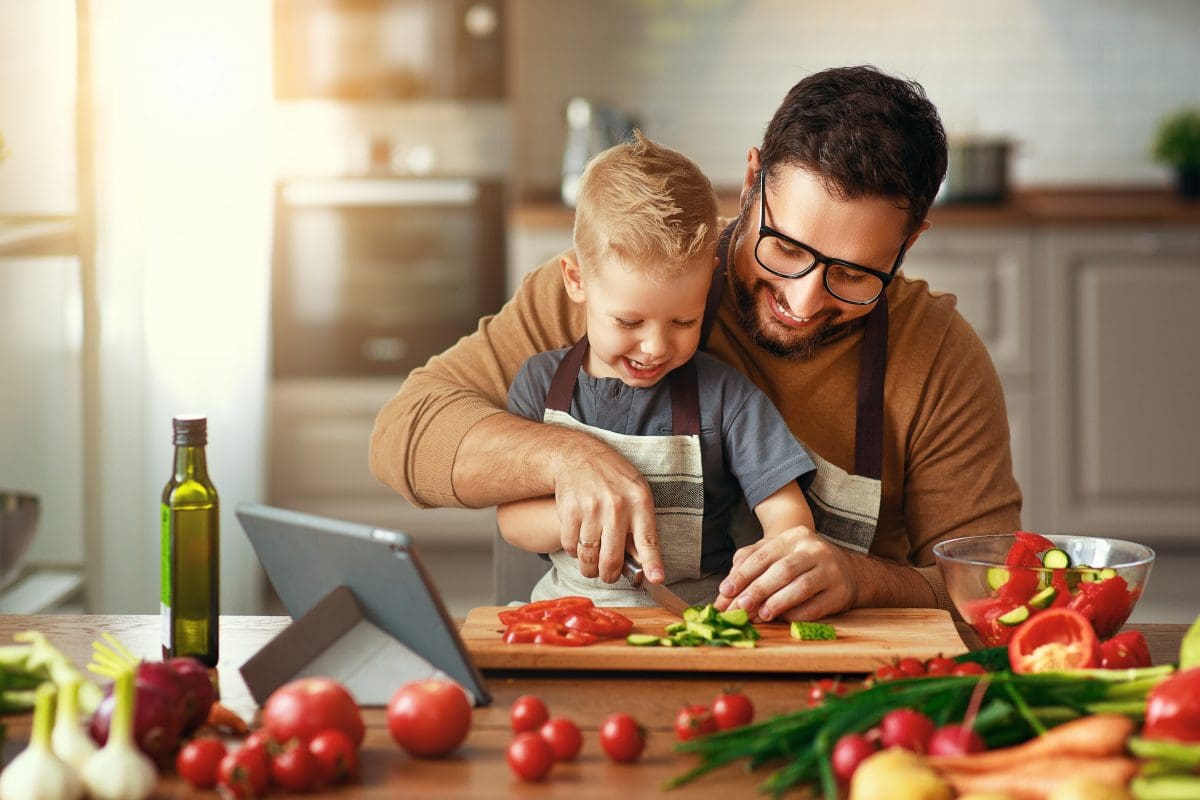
<point>671,465</point>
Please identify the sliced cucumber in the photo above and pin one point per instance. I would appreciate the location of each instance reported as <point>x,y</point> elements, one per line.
<point>1014,617</point>
<point>736,617</point>
<point>675,627</point>
<point>1056,559</point>
<point>743,643</point>
<point>1044,598</point>
<point>1107,572</point>
<point>996,577</point>
<point>701,629</point>
<point>643,640</point>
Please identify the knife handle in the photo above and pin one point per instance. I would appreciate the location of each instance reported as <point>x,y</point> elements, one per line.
<point>633,573</point>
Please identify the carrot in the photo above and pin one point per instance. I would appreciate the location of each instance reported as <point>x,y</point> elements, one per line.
<point>1037,779</point>
<point>1094,736</point>
<point>224,718</point>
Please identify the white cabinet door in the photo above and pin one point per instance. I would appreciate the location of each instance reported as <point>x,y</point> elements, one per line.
<point>531,246</point>
<point>1123,379</point>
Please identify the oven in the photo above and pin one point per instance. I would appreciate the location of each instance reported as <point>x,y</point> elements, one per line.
<point>373,275</point>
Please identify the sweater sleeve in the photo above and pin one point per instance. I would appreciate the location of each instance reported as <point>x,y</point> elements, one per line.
<point>418,432</point>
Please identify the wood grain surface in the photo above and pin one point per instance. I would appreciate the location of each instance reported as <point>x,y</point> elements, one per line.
<point>867,638</point>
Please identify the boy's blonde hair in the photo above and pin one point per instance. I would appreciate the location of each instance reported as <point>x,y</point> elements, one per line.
<point>648,205</point>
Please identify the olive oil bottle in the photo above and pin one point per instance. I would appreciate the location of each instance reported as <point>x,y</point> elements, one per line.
<point>191,549</point>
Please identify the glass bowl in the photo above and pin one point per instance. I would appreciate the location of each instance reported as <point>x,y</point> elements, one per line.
<point>995,590</point>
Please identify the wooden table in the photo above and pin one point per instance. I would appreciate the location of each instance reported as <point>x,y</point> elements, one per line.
<point>478,768</point>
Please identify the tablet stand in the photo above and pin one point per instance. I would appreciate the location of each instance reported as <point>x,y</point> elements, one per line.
<point>333,639</point>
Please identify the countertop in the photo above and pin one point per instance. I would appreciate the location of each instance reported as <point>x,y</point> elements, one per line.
<point>1026,207</point>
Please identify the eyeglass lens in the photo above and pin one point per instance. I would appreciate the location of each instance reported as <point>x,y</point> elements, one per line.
<point>786,260</point>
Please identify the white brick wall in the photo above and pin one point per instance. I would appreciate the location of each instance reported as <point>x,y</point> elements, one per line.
<point>1079,84</point>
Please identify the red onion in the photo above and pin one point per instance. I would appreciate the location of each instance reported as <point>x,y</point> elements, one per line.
<point>198,690</point>
<point>157,721</point>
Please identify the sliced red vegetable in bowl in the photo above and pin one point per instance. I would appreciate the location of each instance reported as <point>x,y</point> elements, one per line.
<point>1053,641</point>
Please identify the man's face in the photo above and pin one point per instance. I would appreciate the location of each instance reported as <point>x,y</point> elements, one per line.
<point>639,329</point>
<point>793,317</point>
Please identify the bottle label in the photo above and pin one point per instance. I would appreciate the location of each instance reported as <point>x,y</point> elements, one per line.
<point>165,578</point>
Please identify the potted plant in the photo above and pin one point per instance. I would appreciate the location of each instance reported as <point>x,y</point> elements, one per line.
<point>1177,143</point>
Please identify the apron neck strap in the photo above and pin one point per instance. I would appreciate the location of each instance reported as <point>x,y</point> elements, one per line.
<point>872,366</point>
<point>717,287</point>
<point>685,390</point>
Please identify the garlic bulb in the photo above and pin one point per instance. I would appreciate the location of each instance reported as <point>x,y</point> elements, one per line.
<point>38,774</point>
<point>119,770</point>
<point>69,740</point>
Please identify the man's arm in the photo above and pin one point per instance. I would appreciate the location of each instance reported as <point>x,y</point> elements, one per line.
<point>444,439</point>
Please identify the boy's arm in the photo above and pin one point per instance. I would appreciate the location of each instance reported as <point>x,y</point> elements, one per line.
<point>785,509</point>
<point>530,524</point>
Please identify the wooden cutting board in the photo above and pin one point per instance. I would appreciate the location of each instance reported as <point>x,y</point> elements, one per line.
<point>867,638</point>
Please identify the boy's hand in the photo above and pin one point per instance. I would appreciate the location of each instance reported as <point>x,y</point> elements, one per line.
<point>794,575</point>
<point>602,499</point>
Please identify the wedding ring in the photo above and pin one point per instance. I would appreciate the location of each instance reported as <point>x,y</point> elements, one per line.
<point>582,543</point>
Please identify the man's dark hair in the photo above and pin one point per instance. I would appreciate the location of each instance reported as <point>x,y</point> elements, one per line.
<point>865,134</point>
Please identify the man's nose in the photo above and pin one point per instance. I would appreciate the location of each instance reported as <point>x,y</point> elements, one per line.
<point>805,296</point>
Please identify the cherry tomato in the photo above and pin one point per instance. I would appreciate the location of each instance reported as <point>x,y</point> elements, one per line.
<point>303,708</point>
<point>263,740</point>
<point>821,689</point>
<point>1128,649</point>
<point>197,762</point>
<point>528,713</point>
<point>911,667</point>
<point>940,665</point>
<point>955,740</point>
<point>888,673</point>
<point>693,721</point>
<point>1055,639</point>
<point>336,755</point>
<point>732,709</point>
<point>906,728</point>
<point>564,738</point>
<point>850,751</point>
<point>622,738</point>
<point>429,718</point>
<point>295,768</point>
<point>244,773</point>
<point>969,668</point>
<point>530,756</point>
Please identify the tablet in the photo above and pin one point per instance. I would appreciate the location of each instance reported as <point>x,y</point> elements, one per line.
<point>306,557</point>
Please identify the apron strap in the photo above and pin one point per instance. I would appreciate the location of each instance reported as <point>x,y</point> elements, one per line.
<point>872,365</point>
<point>685,390</point>
<point>562,385</point>
<point>717,287</point>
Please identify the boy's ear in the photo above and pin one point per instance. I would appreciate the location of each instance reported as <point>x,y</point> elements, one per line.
<point>572,278</point>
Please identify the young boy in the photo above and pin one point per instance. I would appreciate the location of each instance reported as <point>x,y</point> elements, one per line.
<point>700,432</point>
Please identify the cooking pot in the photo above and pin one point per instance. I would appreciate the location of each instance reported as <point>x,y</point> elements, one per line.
<point>977,171</point>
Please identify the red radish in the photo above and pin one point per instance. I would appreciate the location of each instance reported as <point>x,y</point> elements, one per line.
<point>850,751</point>
<point>906,728</point>
<point>955,740</point>
<point>911,667</point>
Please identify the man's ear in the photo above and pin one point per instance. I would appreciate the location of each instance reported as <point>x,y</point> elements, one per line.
<point>912,238</point>
<point>572,278</point>
<point>750,180</point>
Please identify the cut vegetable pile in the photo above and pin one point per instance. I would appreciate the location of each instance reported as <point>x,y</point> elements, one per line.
<point>703,625</point>
<point>565,621</point>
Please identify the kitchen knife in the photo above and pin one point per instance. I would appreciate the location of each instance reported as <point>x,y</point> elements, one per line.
<point>655,591</point>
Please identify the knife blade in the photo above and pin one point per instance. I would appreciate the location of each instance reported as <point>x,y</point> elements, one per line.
<point>660,594</point>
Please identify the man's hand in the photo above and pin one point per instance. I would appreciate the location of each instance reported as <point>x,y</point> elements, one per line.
<point>795,575</point>
<point>602,499</point>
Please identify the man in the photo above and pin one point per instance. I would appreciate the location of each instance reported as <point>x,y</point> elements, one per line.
<point>887,385</point>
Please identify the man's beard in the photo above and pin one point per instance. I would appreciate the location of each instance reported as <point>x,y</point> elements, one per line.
<point>775,337</point>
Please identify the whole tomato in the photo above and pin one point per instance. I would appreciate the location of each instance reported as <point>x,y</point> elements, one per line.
<point>1173,708</point>
<point>295,768</point>
<point>693,721</point>
<point>530,756</point>
<point>336,755</point>
<point>197,762</point>
<point>528,713</point>
<point>940,665</point>
<point>622,738</point>
<point>564,738</point>
<point>429,718</point>
<point>244,773</point>
<point>732,709</point>
<point>305,707</point>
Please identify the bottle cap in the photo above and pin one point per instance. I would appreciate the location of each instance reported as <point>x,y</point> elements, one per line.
<point>191,430</point>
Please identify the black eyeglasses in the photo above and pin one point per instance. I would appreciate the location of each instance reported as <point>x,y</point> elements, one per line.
<point>786,257</point>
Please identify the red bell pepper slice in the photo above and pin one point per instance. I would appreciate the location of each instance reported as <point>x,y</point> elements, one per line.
<point>557,634</point>
<point>555,610</point>
<point>1128,649</point>
<point>1106,603</point>
<point>1055,639</point>
<point>1035,542</point>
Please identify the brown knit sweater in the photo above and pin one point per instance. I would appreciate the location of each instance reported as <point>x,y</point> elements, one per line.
<point>947,468</point>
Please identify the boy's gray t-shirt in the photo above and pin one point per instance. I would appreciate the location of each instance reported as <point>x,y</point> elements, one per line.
<point>746,447</point>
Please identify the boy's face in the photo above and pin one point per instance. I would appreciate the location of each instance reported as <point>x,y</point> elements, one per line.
<point>639,328</point>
